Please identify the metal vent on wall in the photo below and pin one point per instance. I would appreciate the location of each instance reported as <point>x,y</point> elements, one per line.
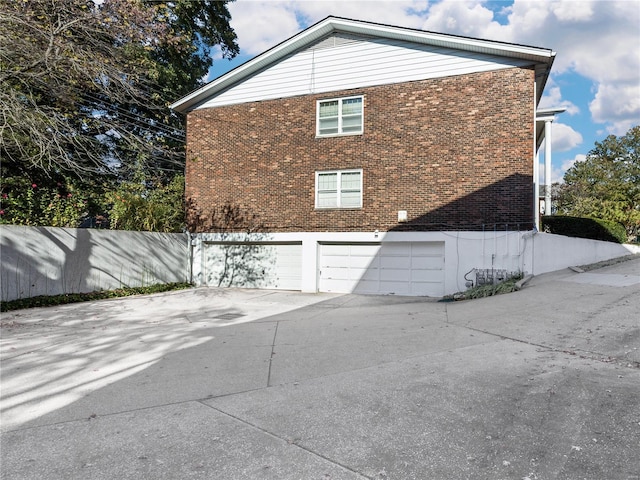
<point>336,40</point>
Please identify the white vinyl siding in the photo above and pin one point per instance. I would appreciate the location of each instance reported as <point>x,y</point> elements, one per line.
<point>359,63</point>
<point>339,189</point>
<point>342,116</point>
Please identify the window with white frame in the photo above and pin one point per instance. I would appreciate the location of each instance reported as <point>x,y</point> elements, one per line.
<point>339,189</point>
<point>340,116</point>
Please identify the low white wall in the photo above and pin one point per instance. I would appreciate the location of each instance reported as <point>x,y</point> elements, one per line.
<point>524,252</point>
<point>463,250</point>
<point>50,261</point>
<point>548,252</point>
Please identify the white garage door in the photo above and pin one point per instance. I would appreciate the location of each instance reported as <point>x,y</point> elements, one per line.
<point>403,268</point>
<point>253,265</point>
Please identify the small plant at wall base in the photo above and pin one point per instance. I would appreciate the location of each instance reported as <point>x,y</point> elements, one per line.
<point>49,301</point>
<point>482,291</point>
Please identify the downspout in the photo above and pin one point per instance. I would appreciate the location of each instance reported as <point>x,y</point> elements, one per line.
<point>536,164</point>
<point>192,241</point>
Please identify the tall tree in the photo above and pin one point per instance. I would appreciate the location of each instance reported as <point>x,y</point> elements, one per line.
<point>84,93</point>
<point>607,183</point>
<point>84,85</point>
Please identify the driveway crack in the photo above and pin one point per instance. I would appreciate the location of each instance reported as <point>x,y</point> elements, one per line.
<point>293,442</point>
<point>577,352</point>
<point>273,352</point>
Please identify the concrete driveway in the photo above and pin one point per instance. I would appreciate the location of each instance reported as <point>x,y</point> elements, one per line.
<point>245,384</point>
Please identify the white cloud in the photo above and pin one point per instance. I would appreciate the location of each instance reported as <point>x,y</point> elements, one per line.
<point>216,53</point>
<point>261,25</point>
<point>399,12</point>
<point>564,138</point>
<point>618,104</point>
<point>468,18</point>
<point>595,39</point>
<point>572,11</point>
<point>552,98</point>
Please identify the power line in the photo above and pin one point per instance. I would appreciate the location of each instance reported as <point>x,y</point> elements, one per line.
<point>157,125</point>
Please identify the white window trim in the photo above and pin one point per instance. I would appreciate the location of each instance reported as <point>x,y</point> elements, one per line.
<point>340,132</point>
<point>339,189</point>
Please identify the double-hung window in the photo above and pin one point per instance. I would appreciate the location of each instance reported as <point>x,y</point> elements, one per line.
<point>341,116</point>
<point>339,189</point>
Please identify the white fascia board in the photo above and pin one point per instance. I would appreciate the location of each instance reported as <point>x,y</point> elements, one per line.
<point>543,114</point>
<point>333,24</point>
<point>445,40</point>
<point>254,65</point>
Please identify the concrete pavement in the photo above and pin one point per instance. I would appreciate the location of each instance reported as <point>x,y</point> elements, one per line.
<point>543,383</point>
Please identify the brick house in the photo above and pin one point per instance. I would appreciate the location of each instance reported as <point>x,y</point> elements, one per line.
<point>358,157</point>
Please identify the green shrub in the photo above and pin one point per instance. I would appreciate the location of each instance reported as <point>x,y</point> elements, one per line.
<point>52,300</point>
<point>581,227</point>
<point>482,291</point>
<point>148,206</point>
<point>27,203</point>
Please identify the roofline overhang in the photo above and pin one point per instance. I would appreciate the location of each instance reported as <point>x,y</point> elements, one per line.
<point>542,58</point>
<point>544,115</point>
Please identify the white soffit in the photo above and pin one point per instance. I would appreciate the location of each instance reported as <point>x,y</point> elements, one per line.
<point>541,57</point>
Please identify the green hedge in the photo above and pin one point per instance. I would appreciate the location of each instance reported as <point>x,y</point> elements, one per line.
<point>49,301</point>
<point>593,228</point>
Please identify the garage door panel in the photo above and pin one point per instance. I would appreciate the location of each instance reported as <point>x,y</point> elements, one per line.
<point>391,249</point>
<point>399,275</point>
<point>253,265</point>
<point>331,261</point>
<point>288,256</point>
<point>334,272</point>
<point>426,263</point>
<point>338,286</point>
<point>427,248</point>
<point>434,276</point>
<point>395,262</point>
<point>362,262</point>
<point>365,286</point>
<point>332,250</point>
<point>427,289</point>
<point>371,274</point>
<point>401,268</point>
<point>365,249</point>
<point>395,288</point>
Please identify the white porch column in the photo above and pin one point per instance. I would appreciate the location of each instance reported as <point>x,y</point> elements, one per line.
<point>536,191</point>
<point>547,167</point>
<point>544,118</point>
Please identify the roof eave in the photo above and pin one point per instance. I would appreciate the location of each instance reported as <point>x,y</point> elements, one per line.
<point>541,58</point>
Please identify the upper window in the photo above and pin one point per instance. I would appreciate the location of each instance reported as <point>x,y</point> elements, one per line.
<point>339,189</point>
<point>341,116</point>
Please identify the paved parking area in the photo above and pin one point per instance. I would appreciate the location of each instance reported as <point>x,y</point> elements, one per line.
<point>244,384</point>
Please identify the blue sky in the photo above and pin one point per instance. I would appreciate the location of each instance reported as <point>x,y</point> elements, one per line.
<point>596,74</point>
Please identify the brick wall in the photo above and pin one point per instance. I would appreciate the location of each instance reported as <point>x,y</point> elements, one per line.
<point>455,153</point>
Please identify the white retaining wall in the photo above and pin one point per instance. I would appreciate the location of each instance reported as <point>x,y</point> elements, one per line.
<point>548,252</point>
<point>525,252</point>
<point>50,261</point>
